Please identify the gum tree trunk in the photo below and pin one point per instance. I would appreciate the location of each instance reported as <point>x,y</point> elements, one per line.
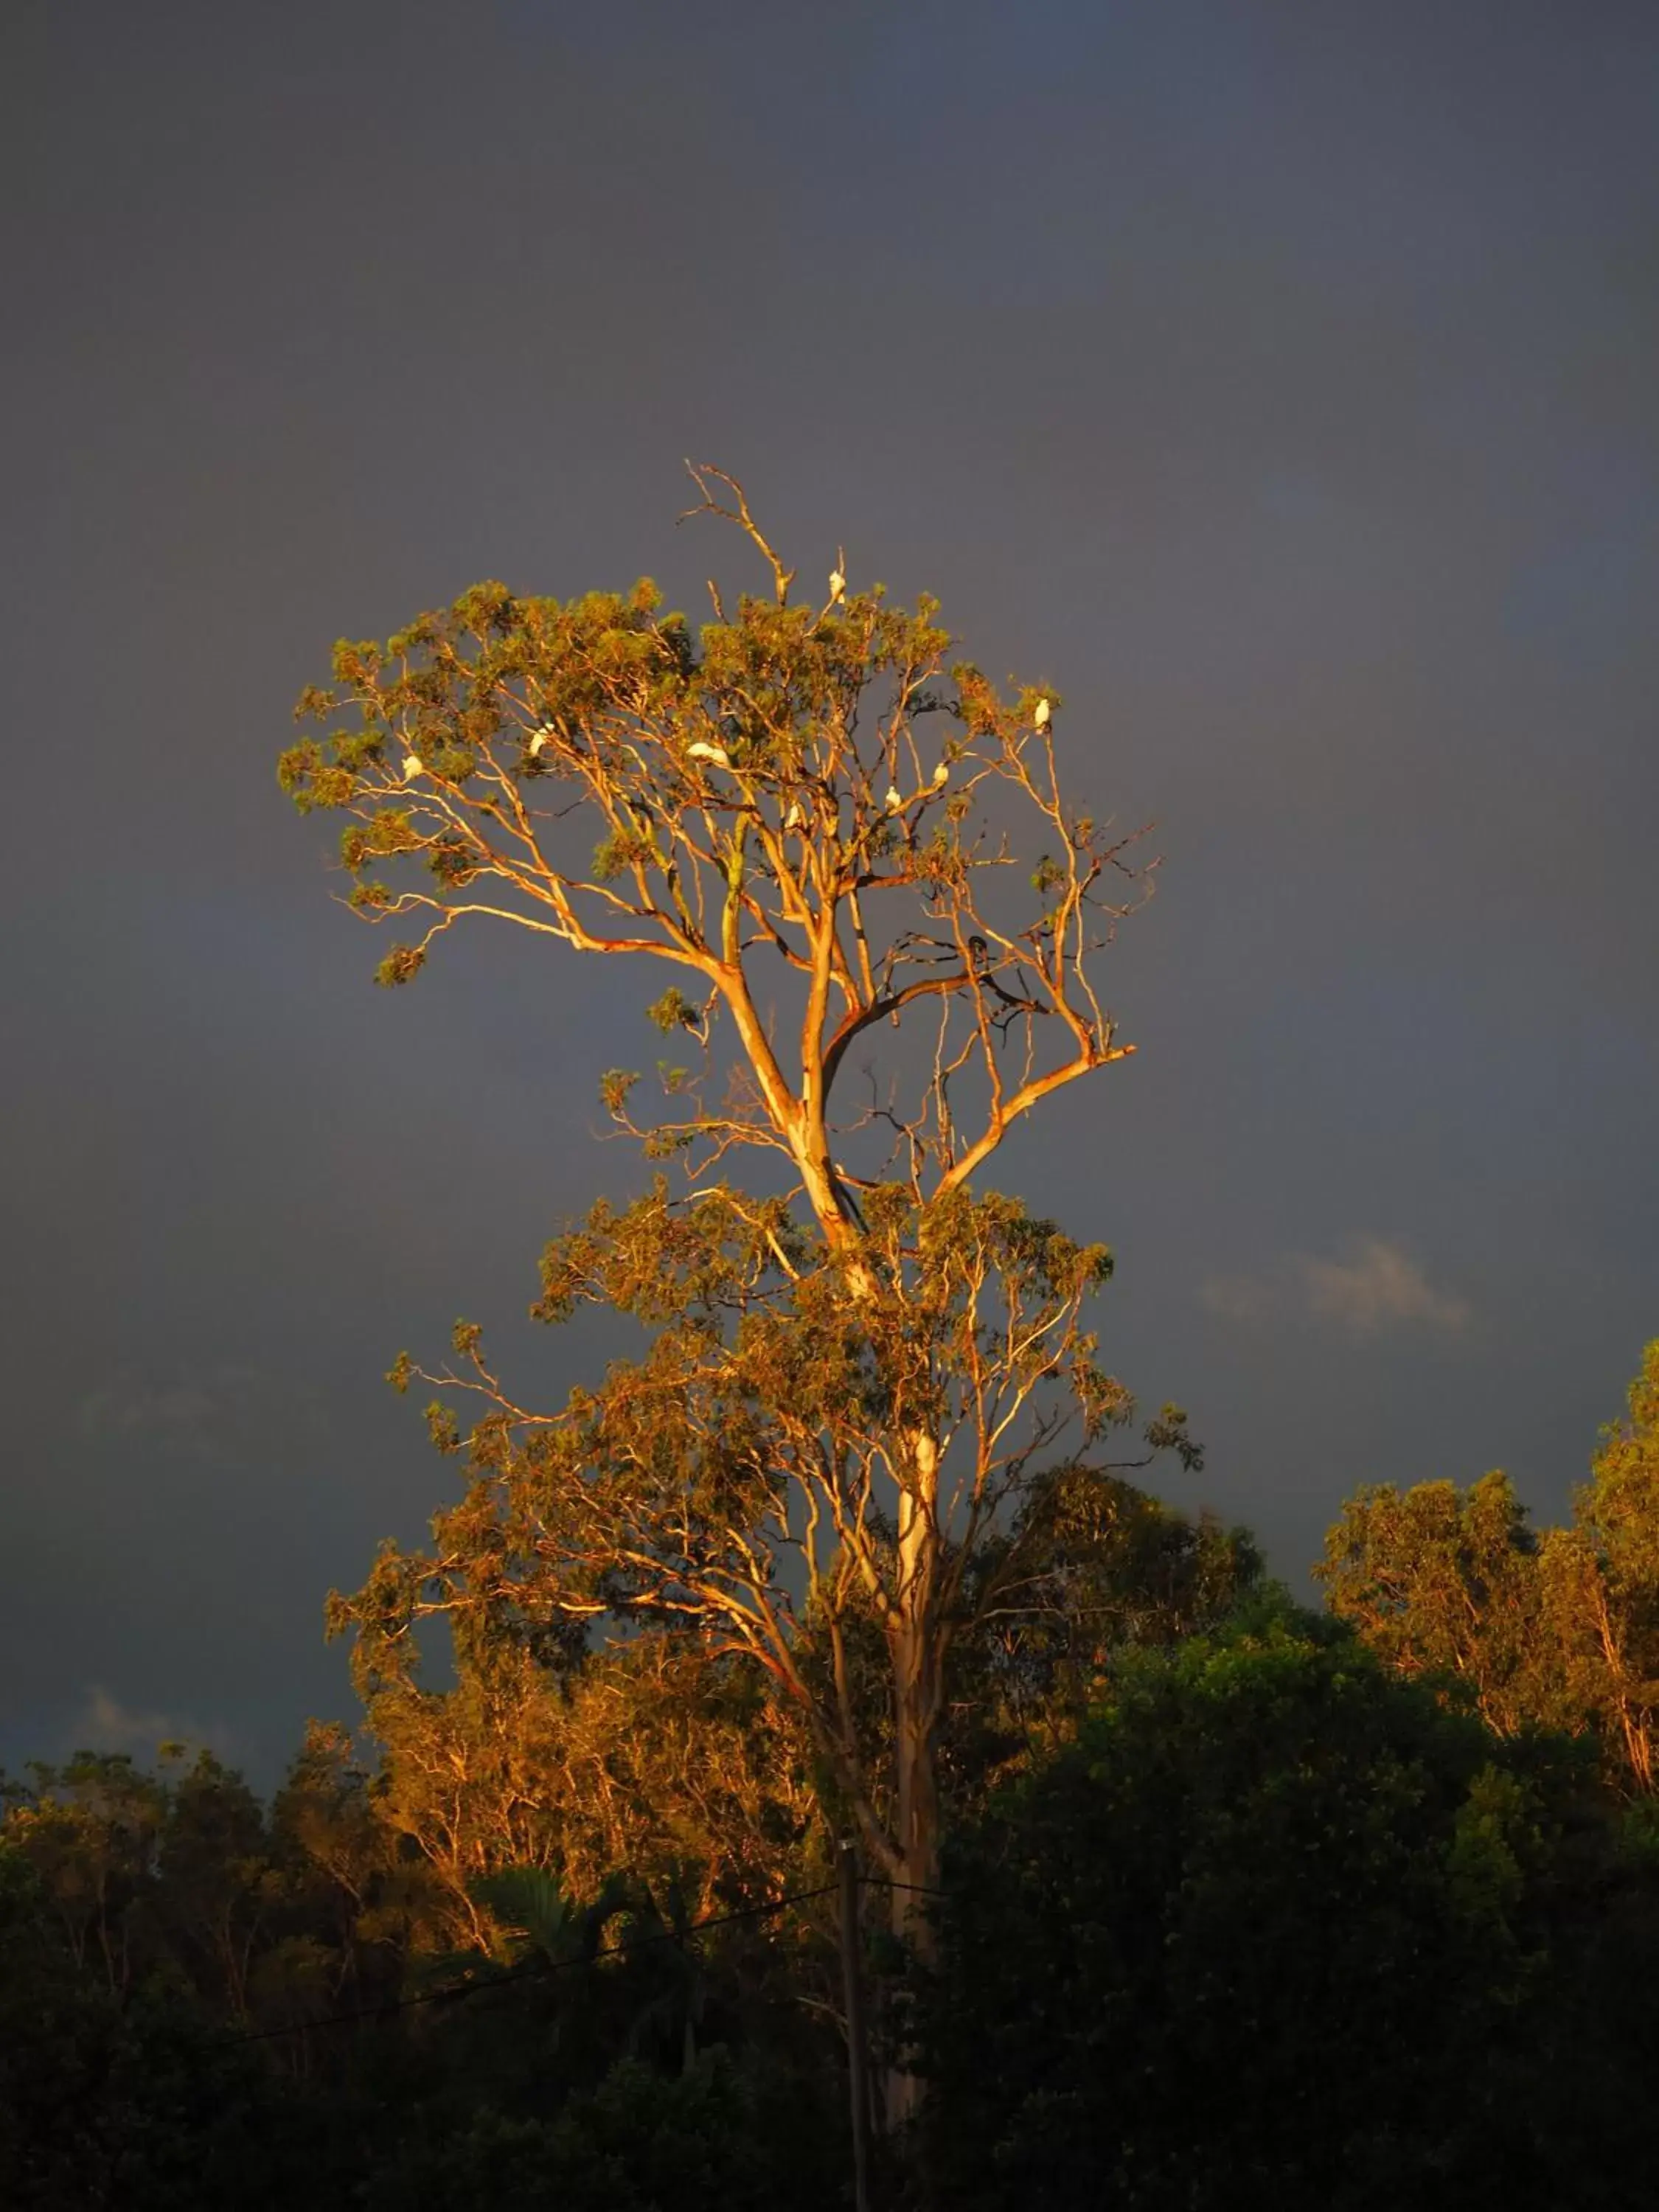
<point>915,1645</point>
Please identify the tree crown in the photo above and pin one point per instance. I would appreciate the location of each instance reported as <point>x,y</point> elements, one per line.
<point>808,814</point>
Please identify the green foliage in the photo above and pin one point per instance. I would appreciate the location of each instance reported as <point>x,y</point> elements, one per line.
<point>566,2071</point>
<point>673,1012</point>
<point>614,1087</point>
<point>639,2143</point>
<point>1276,1928</point>
<point>401,965</point>
<point>529,1904</point>
<point>1560,1631</point>
<point>775,785</point>
<point>729,1487</point>
<point>1444,1582</point>
<point>616,854</point>
<point>1089,1568</point>
<point>144,1920</point>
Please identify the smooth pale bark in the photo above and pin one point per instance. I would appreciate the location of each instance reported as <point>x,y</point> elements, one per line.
<point>916,1645</point>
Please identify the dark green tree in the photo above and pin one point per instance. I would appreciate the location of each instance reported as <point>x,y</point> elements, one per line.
<point>1280,1928</point>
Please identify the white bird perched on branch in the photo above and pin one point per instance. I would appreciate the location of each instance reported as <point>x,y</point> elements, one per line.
<point>1041,717</point>
<point>413,766</point>
<point>837,584</point>
<point>895,798</point>
<point>794,818</point>
<point>541,738</point>
<point>704,750</point>
<point>941,773</point>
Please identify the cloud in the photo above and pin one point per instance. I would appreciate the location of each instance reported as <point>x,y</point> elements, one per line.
<point>226,1415</point>
<point>181,1414</point>
<point>104,1724</point>
<point>1239,1297</point>
<point>1380,1287</point>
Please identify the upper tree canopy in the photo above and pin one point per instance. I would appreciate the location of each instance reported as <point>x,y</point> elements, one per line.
<point>807,813</point>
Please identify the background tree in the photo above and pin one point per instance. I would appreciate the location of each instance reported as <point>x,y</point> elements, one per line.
<point>1558,1629</point>
<point>333,2062</point>
<point>1444,1582</point>
<point>1278,1929</point>
<point>1091,1568</point>
<point>810,818</point>
<point>1603,1580</point>
<point>90,1830</point>
<point>647,1759</point>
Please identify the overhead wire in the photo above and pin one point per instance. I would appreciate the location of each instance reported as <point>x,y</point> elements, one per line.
<point>536,1969</point>
<point>533,1968</point>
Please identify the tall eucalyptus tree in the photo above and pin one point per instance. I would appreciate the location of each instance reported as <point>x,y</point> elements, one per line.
<point>877,913</point>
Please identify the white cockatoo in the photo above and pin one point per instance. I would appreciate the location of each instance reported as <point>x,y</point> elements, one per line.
<point>837,584</point>
<point>413,766</point>
<point>1041,717</point>
<point>794,818</point>
<point>941,775</point>
<point>704,750</point>
<point>895,798</point>
<point>541,738</point>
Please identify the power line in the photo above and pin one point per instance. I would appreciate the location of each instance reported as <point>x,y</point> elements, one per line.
<point>454,1990</point>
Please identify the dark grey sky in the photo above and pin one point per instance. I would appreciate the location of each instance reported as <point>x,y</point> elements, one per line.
<point>1282,383</point>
